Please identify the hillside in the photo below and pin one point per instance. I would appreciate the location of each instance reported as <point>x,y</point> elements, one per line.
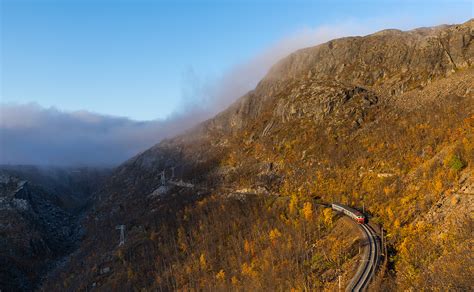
<point>385,120</point>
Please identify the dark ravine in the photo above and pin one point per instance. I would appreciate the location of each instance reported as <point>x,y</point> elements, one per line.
<point>40,209</point>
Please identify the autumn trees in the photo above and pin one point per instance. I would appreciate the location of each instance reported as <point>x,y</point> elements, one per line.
<point>228,243</point>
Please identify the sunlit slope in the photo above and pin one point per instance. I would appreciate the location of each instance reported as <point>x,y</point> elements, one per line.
<point>385,120</point>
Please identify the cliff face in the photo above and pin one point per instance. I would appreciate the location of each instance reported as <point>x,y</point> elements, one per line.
<point>386,58</point>
<point>389,62</point>
<point>385,119</point>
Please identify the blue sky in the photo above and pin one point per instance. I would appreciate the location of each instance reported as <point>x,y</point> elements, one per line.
<point>139,59</point>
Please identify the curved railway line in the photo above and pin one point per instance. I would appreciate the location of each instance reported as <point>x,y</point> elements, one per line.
<point>371,258</point>
<point>369,264</point>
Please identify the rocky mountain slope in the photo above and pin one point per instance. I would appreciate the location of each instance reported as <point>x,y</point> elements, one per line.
<point>73,186</point>
<point>385,120</point>
<point>39,212</point>
<point>34,231</point>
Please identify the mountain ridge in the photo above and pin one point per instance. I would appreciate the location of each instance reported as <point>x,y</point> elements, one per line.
<point>354,120</point>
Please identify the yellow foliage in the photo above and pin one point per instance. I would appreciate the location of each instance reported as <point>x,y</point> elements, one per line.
<point>308,211</point>
<point>327,216</point>
<point>388,191</point>
<point>390,214</point>
<point>234,281</point>
<point>293,207</point>
<point>396,224</point>
<point>203,262</point>
<point>247,270</point>
<point>221,275</point>
<point>274,234</point>
<point>454,200</point>
<point>248,248</point>
<point>182,240</point>
<point>438,185</point>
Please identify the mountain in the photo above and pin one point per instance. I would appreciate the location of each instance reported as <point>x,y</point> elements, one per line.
<point>385,121</point>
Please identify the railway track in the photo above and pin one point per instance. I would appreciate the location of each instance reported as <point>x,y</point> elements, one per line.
<point>369,264</point>
<point>372,251</point>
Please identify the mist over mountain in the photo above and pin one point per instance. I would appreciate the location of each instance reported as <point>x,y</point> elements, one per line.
<point>37,135</point>
<point>34,135</point>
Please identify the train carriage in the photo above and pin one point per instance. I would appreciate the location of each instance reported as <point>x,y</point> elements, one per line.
<point>351,212</point>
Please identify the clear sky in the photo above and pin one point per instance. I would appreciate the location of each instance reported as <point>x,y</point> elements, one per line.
<point>130,58</point>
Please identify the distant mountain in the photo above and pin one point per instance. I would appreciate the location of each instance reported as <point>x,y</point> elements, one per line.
<point>385,120</point>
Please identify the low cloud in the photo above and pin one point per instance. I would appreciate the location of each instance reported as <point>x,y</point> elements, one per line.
<point>31,134</point>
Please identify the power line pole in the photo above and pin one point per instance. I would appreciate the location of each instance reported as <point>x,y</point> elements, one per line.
<point>122,234</point>
<point>163,180</point>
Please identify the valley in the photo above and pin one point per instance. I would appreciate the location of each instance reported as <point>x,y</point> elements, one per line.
<point>40,214</point>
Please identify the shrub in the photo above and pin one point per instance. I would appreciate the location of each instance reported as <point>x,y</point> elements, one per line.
<point>456,163</point>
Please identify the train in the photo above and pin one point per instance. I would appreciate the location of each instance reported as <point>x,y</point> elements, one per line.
<point>351,212</point>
